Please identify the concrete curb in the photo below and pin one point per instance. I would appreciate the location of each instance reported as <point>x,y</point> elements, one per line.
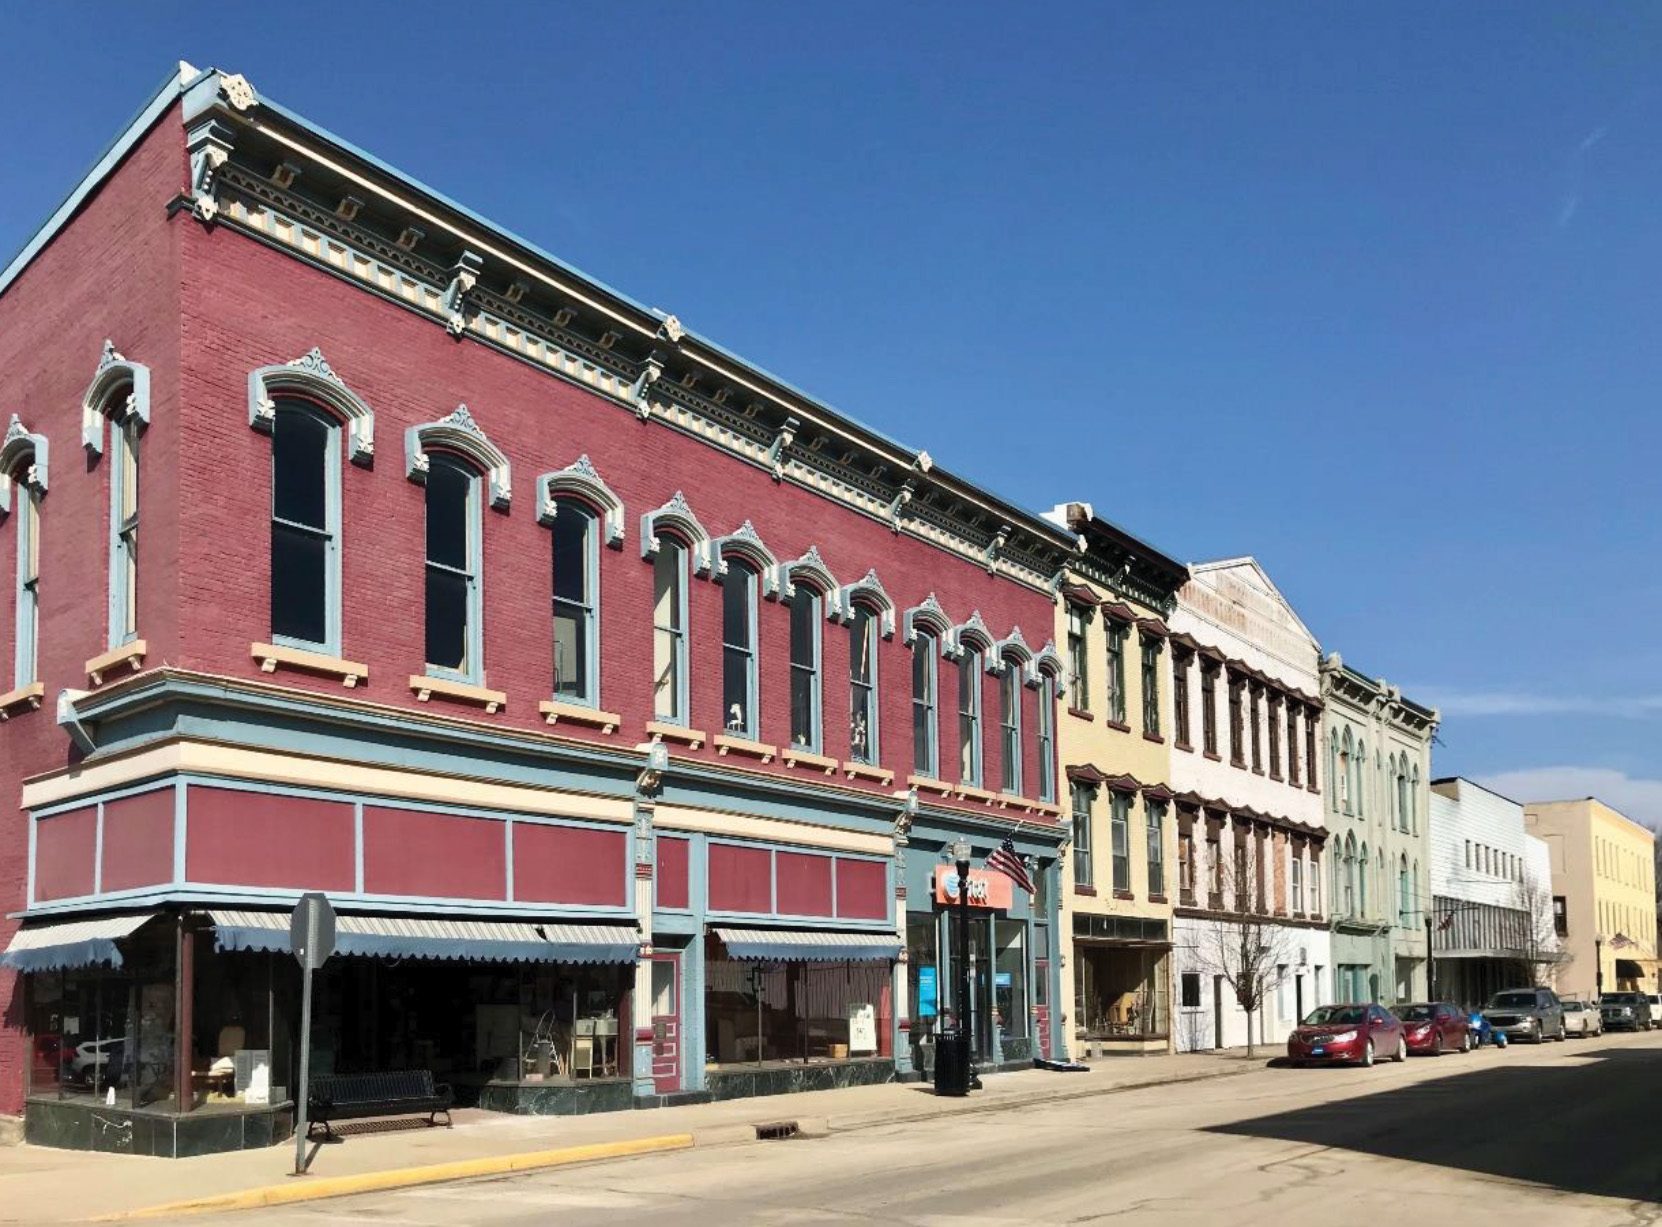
<point>436,1173</point>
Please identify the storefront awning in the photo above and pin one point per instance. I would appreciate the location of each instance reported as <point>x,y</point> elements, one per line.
<point>505,941</point>
<point>70,943</point>
<point>809,945</point>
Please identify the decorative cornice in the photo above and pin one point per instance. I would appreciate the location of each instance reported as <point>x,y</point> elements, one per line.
<point>310,377</point>
<point>930,616</point>
<point>746,543</point>
<point>1153,628</point>
<point>581,481</point>
<point>1158,792</point>
<point>868,590</point>
<point>113,374</point>
<point>1124,783</point>
<point>1087,774</point>
<point>677,516</point>
<point>973,635</point>
<point>1048,662</point>
<point>1120,612</point>
<point>810,567</point>
<point>23,457</point>
<point>458,432</point>
<point>1080,596</point>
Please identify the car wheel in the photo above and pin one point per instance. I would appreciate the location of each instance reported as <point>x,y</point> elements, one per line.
<point>1367,1055</point>
<point>1437,1045</point>
<point>1402,1049</point>
<point>1535,1036</point>
<point>1466,1041</point>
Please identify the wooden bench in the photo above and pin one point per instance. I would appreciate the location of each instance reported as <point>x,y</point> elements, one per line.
<point>407,1092</point>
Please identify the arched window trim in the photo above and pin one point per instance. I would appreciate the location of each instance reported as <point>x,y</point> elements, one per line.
<point>1012,750</point>
<point>812,571</point>
<point>746,543</point>
<point>114,373</point>
<point>1359,787</point>
<point>815,669</point>
<point>23,458</point>
<point>1047,662</point>
<point>458,433</point>
<point>581,482</point>
<point>591,562</point>
<point>1013,653</point>
<point>676,517</point>
<point>868,590</point>
<point>973,635</point>
<point>1362,879</point>
<point>472,671</point>
<point>312,378</point>
<point>928,616</point>
<point>330,644</point>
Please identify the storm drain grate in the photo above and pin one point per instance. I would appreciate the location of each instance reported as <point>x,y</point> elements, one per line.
<point>778,1131</point>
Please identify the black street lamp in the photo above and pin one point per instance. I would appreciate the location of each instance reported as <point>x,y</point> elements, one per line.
<point>1598,965</point>
<point>961,854</point>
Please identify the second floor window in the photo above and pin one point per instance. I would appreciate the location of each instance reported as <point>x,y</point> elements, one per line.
<point>1079,662</point>
<point>1151,686</point>
<point>1047,738</point>
<point>1180,699</point>
<point>1273,717</point>
<point>924,676</point>
<point>1298,883</point>
<point>1237,724</point>
<point>738,650</point>
<point>669,633</point>
<point>1209,707</point>
<point>805,696</point>
<point>1186,866</point>
<point>26,666</point>
<point>969,717</point>
<point>576,558</point>
<point>1156,813</point>
<point>1257,743</point>
<point>305,528</point>
<point>862,686</point>
<point>454,642</point>
<point>1083,798</point>
<point>124,527</point>
<point>1009,726</point>
<point>1315,878</point>
<point>1292,744</point>
<point>1116,672</point>
<point>1120,829</point>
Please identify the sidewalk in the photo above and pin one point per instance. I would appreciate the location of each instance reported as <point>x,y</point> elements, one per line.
<point>38,1185</point>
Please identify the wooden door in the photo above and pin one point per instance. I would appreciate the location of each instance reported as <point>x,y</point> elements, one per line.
<point>666,1022</point>
<point>1041,1004</point>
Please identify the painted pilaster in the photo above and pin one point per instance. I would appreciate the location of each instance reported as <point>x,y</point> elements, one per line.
<point>902,1035</point>
<point>640,1012</point>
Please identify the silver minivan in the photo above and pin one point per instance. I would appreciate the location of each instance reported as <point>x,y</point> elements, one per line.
<point>1531,1014</point>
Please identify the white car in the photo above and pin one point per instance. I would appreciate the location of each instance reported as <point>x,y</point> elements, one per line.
<point>1582,1019</point>
<point>1655,1009</point>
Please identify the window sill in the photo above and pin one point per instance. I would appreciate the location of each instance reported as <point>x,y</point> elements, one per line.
<point>659,731</point>
<point>865,771</point>
<point>1124,894</point>
<point>1088,891</point>
<point>270,655</point>
<point>554,711</point>
<point>1278,778</point>
<point>463,692</point>
<point>1257,771</point>
<point>969,792</point>
<point>1158,899</point>
<point>1212,756</point>
<point>130,653</point>
<point>1186,900</point>
<point>796,756</point>
<point>1238,762</point>
<point>1118,726</point>
<point>725,744</point>
<point>23,698</point>
<point>1184,746</point>
<point>1155,738</point>
<point>1312,788</point>
<point>1079,713</point>
<point>929,783</point>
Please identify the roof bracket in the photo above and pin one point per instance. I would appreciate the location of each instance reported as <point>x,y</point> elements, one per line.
<point>781,444</point>
<point>464,276</point>
<point>209,145</point>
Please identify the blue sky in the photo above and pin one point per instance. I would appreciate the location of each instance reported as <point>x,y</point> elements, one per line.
<point>1369,291</point>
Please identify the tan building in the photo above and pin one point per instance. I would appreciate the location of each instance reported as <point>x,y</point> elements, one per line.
<point>1603,894</point>
<point>1115,739</point>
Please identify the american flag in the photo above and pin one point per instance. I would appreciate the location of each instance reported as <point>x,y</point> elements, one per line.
<point>1007,861</point>
<point>1446,922</point>
<point>1621,942</point>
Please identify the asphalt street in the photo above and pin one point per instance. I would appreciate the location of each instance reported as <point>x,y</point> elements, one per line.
<point>1567,1133</point>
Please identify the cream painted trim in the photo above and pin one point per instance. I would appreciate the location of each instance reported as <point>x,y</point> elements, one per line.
<point>554,711</point>
<point>778,830</point>
<point>131,653</point>
<point>29,696</point>
<point>660,731</point>
<point>864,771</point>
<point>465,692</point>
<point>795,756</point>
<point>743,745</point>
<point>270,655</point>
<point>230,762</point>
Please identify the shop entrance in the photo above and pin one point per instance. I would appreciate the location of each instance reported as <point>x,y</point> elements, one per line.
<point>1120,990</point>
<point>1041,1004</point>
<point>666,1022</point>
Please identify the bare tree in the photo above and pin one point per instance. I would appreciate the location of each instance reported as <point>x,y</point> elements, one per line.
<point>1539,952</point>
<point>1247,949</point>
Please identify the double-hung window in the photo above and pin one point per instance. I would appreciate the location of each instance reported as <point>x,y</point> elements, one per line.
<point>576,575</point>
<point>669,633</point>
<point>1272,719</point>
<point>1292,743</point>
<point>805,685</point>
<point>305,527</point>
<point>969,716</point>
<point>1047,738</point>
<point>1079,662</point>
<point>1116,672</point>
<point>1237,724</point>
<point>738,650</point>
<point>1209,707</point>
<point>124,527</point>
<point>925,657</point>
<point>1298,883</point>
<point>1180,698</point>
<point>1156,814</point>
<point>1151,686</point>
<point>1083,798</point>
<point>1009,726</point>
<point>862,686</point>
<point>1120,829</point>
<point>1315,886</point>
<point>454,639</point>
<point>26,669</point>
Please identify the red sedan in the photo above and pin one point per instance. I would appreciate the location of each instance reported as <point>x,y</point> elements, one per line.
<point>1435,1027</point>
<point>1349,1034</point>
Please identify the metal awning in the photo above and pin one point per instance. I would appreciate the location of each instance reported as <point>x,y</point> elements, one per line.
<point>505,941</point>
<point>70,943</point>
<point>809,945</point>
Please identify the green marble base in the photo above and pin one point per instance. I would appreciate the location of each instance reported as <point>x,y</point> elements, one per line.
<point>89,1126</point>
<point>742,1083</point>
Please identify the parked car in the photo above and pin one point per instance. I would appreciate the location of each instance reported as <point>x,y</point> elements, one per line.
<point>1356,1034</point>
<point>97,1061</point>
<point>1532,1014</point>
<point>1435,1027</point>
<point>1626,1012</point>
<point>1582,1018</point>
<point>1655,1009</point>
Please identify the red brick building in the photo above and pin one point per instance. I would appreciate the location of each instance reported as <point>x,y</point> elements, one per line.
<point>624,699</point>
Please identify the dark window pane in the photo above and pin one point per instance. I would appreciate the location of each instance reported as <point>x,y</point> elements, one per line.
<point>735,690</point>
<point>446,619</point>
<point>449,486</point>
<point>804,625</point>
<point>570,655</point>
<point>922,663</point>
<point>802,707</point>
<point>299,584</point>
<point>571,554</point>
<point>860,646</point>
<point>735,605</point>
<point>299,479</point>
<point>923,736</point>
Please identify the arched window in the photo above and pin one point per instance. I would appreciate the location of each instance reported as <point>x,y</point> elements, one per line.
<point>863,739</point>
<point>1350,875</point>
<point>23,471</point>
<point>119,393</point>
<point>1359,773</point>
<point>305,526</point>
<point>1345,782</point>
<point>738,650</point>
<point>806,603</point>
<point>1047,737</point>
<point>969,716</point>
<point>1414,800</point>
<point>455,640</point>
<point>1404,898</point>
<point>669,631</point>
<point>1009,726</point>
<point>576,600</point>
<point>925,675</point>
<point>1362,868</point>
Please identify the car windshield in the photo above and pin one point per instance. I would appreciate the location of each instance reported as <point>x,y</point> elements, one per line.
<point>1512,1001</point>
<point>1328,1015</point>
<point>1622,999</point>
<point>1572,1007</point>
<point>1415,1013</point>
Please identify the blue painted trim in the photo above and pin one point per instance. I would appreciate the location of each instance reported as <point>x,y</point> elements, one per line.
<point>26,602</point>
<point>112,794</point>
<point>53,958</point>
<point>129,136</point>
<point>29,890</point>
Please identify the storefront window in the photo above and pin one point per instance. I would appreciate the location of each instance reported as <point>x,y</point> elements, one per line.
<point>758,1012</point>
<point>1010,977</point>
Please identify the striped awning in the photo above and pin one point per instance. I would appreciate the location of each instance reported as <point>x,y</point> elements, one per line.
<point>70,943</point>
<point>809,945</point>
<point>417,937</point>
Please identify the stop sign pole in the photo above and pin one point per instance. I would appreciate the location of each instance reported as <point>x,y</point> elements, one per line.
<point>312,938</point>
